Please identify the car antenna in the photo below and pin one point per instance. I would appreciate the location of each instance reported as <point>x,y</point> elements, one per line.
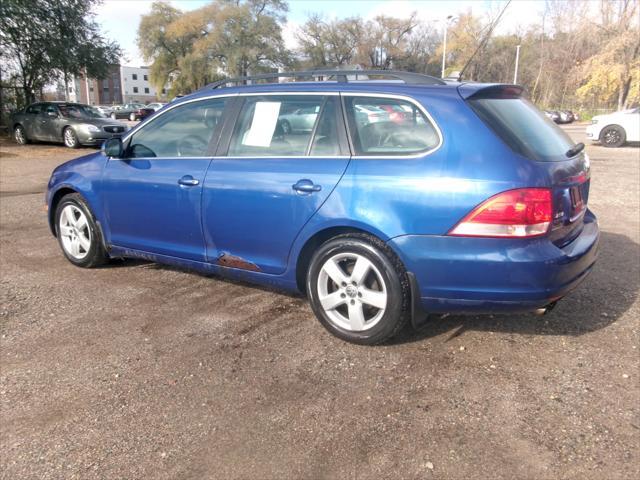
<point>484,40</point>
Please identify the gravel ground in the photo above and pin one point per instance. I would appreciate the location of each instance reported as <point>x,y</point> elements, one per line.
<point>144,371</point>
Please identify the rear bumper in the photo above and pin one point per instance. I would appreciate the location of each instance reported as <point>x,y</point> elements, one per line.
<point>482,275</point>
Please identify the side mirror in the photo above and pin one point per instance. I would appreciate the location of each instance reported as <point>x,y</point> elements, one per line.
<point>112,148</point>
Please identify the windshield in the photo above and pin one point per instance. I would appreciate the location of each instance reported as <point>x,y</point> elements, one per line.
<point>80,111</point>
<point>524,128</point>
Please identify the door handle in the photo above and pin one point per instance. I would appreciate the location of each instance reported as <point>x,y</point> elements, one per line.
<point>188,181</point>
<point>306,186</point>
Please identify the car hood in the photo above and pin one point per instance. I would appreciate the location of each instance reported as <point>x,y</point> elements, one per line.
<point>614,115</point>
<point>91,162</point>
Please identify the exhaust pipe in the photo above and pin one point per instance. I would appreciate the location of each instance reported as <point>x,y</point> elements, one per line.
<point>546,309</point>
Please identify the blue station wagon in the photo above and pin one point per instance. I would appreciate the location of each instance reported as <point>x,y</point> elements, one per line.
<point>399,195</point>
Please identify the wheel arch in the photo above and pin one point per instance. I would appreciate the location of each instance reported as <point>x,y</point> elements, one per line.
<point>55,199</point>
<point>318,238</point>
<point>64,128</point>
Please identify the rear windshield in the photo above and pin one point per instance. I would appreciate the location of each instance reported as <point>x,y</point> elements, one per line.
<point>524,128</point>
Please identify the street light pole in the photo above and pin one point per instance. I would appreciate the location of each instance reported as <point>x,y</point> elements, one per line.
<point>444,50</point>
<point>515,73</point>
<point>444,44</point>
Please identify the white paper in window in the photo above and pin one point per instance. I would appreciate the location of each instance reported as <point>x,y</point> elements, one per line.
<point>265,118</point>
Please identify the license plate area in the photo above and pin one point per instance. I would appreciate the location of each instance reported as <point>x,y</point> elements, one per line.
<point>578,202</point>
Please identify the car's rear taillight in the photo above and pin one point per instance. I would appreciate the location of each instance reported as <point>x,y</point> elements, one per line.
<point>525,212</point>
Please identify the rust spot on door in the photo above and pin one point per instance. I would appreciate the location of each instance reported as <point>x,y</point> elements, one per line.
<point>231,261</point>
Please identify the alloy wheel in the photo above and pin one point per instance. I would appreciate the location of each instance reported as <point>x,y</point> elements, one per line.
<point>70,139</point>
<point>19,136</point>
<point>352,292</point>
<point>612,136</point>
<point>74,232</point>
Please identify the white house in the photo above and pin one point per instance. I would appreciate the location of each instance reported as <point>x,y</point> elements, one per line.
<point>136,87</point>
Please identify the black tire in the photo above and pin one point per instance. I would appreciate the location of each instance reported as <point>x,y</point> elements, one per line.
<point>20,135</point>
<point>96,254</point>
<point>398,308</point>
<point>613,136</point>
<point>70,138</point>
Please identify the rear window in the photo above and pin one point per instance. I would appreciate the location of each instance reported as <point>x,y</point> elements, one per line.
<point>523,127</point>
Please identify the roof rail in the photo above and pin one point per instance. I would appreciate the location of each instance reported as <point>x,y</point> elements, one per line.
<point>341,76</point>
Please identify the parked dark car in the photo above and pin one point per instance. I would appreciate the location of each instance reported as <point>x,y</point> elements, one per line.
<point>473,204</point>
<point>133,112</point>
<point>73,124</point>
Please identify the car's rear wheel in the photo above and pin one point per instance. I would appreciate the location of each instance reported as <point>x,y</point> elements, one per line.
<point>613,136</point>
<point>132,117</point>
<point>70,138</point>
<point>20,135</point>
<point>77,233</point>
<point>358,289</point>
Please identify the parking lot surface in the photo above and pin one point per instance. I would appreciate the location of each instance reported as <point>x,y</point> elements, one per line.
<point>142,371</point>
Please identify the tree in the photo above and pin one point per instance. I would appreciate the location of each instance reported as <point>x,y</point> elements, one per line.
<point>228,37</point>
<point>613,73</point>
<point>24,45</point>
<point>42,40</point>
<point>385,41</point>
<point>330,43</point>
<point>78,47</point>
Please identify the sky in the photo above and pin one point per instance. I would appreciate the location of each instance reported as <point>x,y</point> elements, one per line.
<point>120,18</point>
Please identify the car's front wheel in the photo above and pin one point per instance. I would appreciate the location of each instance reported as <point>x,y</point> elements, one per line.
<point>358,289</point>
<point>613,136</point>
<point>77,232</point>
<point>70,138</point>
<point>20,135</point>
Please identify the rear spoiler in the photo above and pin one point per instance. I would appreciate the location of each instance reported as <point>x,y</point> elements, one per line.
<point>490,90</point>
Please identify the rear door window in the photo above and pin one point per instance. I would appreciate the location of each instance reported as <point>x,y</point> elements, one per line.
<point>523,127</point>
<point>276,125</point>
<point>184,131</point>
<point>388,126</point>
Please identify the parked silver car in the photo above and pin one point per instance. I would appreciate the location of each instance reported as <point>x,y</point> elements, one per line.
<point>73,124</point>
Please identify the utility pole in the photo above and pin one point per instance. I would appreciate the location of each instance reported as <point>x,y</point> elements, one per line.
<point>515,73</point>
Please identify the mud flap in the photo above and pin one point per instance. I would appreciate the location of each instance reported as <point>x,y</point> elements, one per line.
<point>418,316</point>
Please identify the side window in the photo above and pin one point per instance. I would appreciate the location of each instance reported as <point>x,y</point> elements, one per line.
<point>386,126</point>
<point>275,125</point>
<point>51,109</point>
<point>184,131</point>
<point>325,140</point>
<point>34,109</point>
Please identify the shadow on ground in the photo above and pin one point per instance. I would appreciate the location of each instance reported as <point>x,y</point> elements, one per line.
<point>606,294</point>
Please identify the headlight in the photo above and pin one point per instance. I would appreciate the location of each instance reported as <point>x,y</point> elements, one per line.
<point>91,128</point>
